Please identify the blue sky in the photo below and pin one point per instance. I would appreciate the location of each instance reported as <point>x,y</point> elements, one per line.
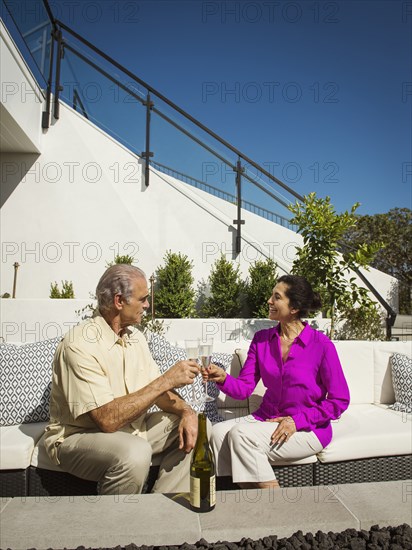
<point>318,92</point>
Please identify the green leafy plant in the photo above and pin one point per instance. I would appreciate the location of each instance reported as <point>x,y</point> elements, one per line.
<point>320,261</point>
<point>225,288</point>
<point>126,259</point>
<point>66,291</point>
<point>148,324</point>
<point>200,297</point>
<point>394,229</point>
<point>174,292</point>
<point>360,323</point>
<point>259,287</point>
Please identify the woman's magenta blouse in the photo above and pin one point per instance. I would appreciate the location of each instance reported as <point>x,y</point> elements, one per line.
<point>309,386</point>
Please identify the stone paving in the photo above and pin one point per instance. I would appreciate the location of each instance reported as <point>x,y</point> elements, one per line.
<point>109,521</point>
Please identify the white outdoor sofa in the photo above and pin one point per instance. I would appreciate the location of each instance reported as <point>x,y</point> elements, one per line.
<point>371,442</point>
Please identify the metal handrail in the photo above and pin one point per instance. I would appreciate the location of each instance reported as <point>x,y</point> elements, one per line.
<point>171,122</point>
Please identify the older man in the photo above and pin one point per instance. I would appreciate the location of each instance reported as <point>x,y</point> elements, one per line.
<point>104,382</point>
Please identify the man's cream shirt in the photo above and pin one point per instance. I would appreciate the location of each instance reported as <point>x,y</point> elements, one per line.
<point>91,367</point>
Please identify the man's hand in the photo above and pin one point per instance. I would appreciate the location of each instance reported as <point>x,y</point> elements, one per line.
<point>188,430</point>
<point>182,373</point>
<point>284,431</point>
<point>213,373</point>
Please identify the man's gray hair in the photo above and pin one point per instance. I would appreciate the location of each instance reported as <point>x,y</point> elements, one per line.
<point>117,279</point>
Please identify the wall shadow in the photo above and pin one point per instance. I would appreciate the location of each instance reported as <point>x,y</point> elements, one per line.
<point>13,168</point>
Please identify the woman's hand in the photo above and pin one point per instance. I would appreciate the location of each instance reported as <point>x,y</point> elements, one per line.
<point>213,373</point>
<point>286,428</point>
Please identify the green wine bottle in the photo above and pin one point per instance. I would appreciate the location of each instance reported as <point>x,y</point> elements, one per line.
<point>202,472</point>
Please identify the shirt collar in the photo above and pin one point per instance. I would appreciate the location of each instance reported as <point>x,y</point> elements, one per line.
<point>304,337</point>
<point>109,337</point>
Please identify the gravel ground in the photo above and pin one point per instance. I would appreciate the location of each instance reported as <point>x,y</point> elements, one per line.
<point>390,538</point>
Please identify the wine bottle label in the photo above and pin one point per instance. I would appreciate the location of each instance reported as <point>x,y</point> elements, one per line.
<point>195,491</point>
<point>212,490</point>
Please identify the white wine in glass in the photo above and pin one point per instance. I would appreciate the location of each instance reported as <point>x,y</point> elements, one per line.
<point>205,356</point>
<point>192,353</point>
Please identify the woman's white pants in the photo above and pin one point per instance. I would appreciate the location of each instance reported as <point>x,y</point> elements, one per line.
<point>243,449</point>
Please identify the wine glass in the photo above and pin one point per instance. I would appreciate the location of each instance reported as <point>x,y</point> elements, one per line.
<point>192,353</point>
<point>205,355</point>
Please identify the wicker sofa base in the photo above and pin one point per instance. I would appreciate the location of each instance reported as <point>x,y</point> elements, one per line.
<point>50,483</point>
<point>43,483</point>
<point>386,468</point>
<point>294,476</point>
<point>288,476</point>
<point>13,483</point>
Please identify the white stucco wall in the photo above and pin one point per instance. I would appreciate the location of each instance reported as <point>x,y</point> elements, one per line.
<point>33,320</point>
<point>21,99</point>
<point>83,200</point>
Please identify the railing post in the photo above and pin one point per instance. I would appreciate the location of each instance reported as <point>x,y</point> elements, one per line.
<point>16,266</point>
<point>239,222</point>
<point>152,291</point>
<point>390,312</point>
<point>45,121</point>
<point>77,101</point>
<point>147,154</point>
<point>389,322</point>
<point>58,88</point>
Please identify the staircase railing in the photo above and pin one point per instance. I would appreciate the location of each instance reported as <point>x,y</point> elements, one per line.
<point>251,207</point>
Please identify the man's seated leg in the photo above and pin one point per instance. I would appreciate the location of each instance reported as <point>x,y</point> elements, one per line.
<point>163,435</point>
<point>119,461</point>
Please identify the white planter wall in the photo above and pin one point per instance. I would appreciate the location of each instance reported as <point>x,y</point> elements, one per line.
<point>33,320</point>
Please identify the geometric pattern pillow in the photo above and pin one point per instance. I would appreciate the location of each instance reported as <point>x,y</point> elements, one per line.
<point>401,366</point>
<point>25,380</point>
<point>166,355</point>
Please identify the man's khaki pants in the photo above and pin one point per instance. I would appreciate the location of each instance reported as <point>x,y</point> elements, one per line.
<point>120,461</point>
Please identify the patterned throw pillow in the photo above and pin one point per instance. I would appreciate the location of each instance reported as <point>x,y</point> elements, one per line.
<point>25,381</point>
<point>401,366</point>
<point>166,355</point>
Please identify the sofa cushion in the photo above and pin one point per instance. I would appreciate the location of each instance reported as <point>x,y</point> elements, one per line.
<point>225,401</point>
<point>356,358</point>
<point>166,355</point>
<point>382,353</point>
<point>365,431</point>
<point>25,379</point>
<point>401,367</point>
<point>223,360</point>
<point>17,444</point>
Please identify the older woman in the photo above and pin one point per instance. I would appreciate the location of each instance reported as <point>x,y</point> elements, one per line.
<point>305,390</point>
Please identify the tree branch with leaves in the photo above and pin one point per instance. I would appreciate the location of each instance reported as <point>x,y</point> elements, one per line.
<point>328,270</point>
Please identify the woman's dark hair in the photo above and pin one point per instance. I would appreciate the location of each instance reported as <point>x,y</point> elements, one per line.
<point>301,295</point>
